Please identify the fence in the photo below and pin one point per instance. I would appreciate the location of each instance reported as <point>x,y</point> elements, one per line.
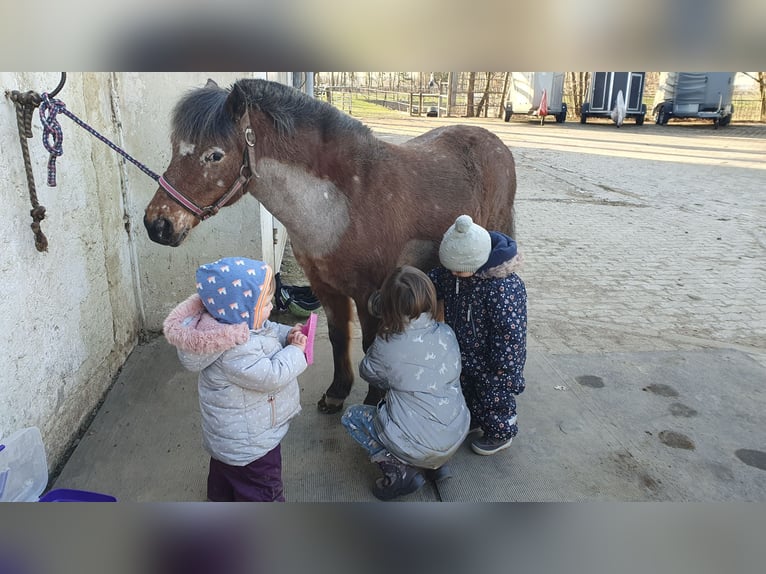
<point>745,110</point>
<point>423,103</point>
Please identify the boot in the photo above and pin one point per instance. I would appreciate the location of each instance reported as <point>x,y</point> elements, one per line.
<point>438,474</point>
<point>398,479</point>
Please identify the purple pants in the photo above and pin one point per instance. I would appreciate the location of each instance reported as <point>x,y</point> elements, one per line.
<point>259,481</point>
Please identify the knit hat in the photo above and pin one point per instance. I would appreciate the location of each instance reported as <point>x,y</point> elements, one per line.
<point>465,246</point>
<point>234,289</point>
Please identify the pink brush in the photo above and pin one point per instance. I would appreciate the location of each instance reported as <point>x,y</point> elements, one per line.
<point>310,329</point>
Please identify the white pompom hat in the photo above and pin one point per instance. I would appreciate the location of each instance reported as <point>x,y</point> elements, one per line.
<point>465,246</point>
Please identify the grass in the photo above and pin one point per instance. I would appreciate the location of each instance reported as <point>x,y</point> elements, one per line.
<point>362,108</point>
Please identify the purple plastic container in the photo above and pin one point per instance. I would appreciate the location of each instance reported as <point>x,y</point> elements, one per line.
<point>71,495</point>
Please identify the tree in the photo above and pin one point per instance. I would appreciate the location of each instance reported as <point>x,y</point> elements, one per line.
<point>469,97</point>
<point>501,107</point>
<point>484,101</point>
<point>579,84</point>
<point>761,81</point>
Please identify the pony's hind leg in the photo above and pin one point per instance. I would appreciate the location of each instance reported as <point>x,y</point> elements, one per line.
<point>338,310</point>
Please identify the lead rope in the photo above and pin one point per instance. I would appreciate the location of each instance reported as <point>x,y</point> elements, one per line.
<point>49,108</point>
<point>53,140</point>
<point>26,103</point>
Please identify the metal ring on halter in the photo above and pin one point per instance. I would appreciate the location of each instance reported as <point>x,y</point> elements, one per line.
<point>250,153</point>
<point>250,137</point>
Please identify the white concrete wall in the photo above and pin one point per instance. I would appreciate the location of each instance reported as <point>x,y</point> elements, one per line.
<point>74,314</point>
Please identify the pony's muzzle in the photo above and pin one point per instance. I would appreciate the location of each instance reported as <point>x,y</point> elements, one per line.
<point>161,230</point>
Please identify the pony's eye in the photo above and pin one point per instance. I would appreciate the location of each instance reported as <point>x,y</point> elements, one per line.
<point>216,156</point>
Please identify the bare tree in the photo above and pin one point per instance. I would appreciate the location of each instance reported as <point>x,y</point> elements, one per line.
<point>501,107</point>
<point>579,85</point>
<point>469,112</point>
<point>329,89</point>
<point>761,81</point>
<point>484,101</point>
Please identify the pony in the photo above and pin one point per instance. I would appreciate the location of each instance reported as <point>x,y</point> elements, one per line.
<point>354,206</point>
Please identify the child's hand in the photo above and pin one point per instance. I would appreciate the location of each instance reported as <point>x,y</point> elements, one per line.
<point>299,340</point>
<point>296,329</point>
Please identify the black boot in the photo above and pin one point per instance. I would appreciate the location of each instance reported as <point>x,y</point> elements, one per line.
<point>398,479</point>
<point>438,474</point>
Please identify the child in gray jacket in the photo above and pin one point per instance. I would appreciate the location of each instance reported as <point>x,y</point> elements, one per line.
<point>248,369</point>
<point>423,418</point>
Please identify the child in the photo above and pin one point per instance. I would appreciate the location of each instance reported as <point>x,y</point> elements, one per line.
<point>248,368</point>
<point>485,302</point>
<point>423,418</point>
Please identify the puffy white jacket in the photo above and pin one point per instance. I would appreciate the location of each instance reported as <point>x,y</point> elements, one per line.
<point>248,386</point>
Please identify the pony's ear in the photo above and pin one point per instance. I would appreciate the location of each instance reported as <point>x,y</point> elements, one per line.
<point>211,83</point>
<point>236,102</point>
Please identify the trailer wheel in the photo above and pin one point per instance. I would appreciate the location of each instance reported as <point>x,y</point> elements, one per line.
<point>561,117</point>
<point>726,120</point>
<point>661,118</point>
<point>640,117</point>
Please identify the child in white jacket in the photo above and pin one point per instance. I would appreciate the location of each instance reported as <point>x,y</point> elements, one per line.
<point>248,369</point>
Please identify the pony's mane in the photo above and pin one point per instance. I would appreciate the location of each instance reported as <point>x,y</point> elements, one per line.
<point>201,116</point>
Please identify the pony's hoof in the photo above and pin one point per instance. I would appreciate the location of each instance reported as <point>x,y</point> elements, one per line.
<point>329,405</point>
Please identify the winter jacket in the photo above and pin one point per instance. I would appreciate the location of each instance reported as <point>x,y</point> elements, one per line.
<point>423,418</point>
<point>488,312</point>
<point>248,387</point>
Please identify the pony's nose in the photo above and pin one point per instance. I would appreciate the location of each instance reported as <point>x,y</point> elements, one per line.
<point>160,230</point>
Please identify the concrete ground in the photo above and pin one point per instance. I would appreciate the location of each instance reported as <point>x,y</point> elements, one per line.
<point>645,253</point>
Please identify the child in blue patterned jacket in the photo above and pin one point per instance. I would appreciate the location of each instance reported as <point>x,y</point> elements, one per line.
<point>485,303</point>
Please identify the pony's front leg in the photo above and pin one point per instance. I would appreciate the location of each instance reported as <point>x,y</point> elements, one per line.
<point>369,326</point>
<point>338,311</point>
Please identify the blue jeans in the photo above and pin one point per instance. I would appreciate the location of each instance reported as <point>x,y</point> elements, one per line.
<point>358,420</point>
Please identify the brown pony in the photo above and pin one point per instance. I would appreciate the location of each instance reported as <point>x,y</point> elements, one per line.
<point>354,206</point>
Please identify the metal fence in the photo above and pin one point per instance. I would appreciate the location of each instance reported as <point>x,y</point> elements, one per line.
<point>426,103</point>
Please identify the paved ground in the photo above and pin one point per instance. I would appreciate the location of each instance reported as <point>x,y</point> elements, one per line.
<point>645,265</point>
<point>640,238</point>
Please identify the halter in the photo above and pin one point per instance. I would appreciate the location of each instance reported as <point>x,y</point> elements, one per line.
<point>246,172</point>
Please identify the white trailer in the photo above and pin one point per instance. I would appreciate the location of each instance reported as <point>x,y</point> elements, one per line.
<point>525,95</point>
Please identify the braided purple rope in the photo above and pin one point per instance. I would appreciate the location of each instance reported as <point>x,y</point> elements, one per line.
<point>51,131</point>
<point>51,128</point>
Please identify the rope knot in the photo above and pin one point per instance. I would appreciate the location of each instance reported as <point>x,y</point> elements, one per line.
<point>53,136</point>
<point>38,213</point>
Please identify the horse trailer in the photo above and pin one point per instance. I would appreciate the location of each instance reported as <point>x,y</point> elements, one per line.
<point>705,95</point>
<point>525,95</point>
<point>602,97</point>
